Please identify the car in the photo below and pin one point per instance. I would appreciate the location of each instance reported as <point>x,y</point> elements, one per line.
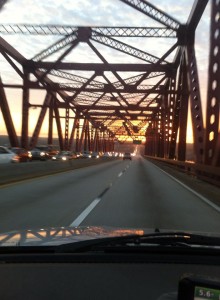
<point>86,154</point>
<point>77,154</point>
<point>6,155</point>
<point>22,154</point>
<point>107,154</point>
<point>63,155</point>
<point>49,150</point>
<point>95,155</point>
<point>127,155</point>
<point>38,154</point>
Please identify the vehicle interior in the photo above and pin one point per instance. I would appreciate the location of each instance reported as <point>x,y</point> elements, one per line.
<point>110,273</point>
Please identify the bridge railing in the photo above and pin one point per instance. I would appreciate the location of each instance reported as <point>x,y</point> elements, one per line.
<point>204,172</point>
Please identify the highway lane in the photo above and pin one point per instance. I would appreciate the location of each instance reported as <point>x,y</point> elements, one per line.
<point>118,193</point>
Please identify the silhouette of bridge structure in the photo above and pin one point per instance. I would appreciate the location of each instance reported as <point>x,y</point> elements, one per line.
<point>144,97</point>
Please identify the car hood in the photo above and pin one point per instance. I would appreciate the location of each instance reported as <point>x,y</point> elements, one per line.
<point>63,235</point>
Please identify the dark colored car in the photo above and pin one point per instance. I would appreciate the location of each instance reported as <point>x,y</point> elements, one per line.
<point>38,154</point>
<point>22,154</point>
<point>127,156</point>
<point>86,154</point>
<point>64,155</point>
<point>49,150</point>
<point>95,155</point>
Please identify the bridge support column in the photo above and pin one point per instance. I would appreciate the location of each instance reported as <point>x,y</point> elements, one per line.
<point>183,113</point>
<point>82,137</point>
<point>25,111</point>
<point>77,149</point>
<point>50,122</point>
<point>151,146</point>
<point>212,136</point>
<point>73,131</point>
<point>35,135</point>
<point>58,123</point>
<point>7,118</point>
<point>171,147</point>
<point>195,101</point>
<point>66,137</point>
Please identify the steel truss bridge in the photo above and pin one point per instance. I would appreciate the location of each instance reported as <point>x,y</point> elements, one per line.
<point>100,102</point>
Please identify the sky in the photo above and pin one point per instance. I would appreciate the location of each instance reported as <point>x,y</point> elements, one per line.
<point>90,13</point>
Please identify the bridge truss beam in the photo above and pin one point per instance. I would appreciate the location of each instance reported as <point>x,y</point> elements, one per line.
<point>108,103</point>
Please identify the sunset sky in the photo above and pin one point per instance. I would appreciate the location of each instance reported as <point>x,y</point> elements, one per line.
<point>89,13</point>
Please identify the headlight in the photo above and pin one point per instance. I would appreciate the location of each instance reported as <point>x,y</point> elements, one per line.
<point>42,154</point>
<point>29,154</point>
<point>64,158</point>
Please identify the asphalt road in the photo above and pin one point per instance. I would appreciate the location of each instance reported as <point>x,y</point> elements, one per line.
<point>117,193</point>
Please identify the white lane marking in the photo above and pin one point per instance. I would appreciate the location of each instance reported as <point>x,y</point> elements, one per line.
<point>216,207</point>
<point>85,213</point>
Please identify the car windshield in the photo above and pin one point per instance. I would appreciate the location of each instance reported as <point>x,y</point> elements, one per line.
<point>122,100</point>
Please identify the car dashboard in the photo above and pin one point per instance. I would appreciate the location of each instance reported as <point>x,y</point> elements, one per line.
<point>154,275</point>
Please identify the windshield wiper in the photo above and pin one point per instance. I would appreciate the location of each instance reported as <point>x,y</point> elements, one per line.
<point>166,239</point>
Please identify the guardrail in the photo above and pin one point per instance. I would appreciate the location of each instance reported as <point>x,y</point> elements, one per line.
<point>204,172</point>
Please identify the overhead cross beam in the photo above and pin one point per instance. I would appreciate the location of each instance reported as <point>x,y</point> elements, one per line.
<point>106,96</point>
<point>26,29</point>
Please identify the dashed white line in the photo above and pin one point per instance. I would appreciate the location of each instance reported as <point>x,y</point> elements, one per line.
<point>88,210</point>
<point>85,213</point>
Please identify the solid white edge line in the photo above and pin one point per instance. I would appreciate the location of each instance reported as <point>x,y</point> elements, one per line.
<point>85,213</point>
<point>216,207</point>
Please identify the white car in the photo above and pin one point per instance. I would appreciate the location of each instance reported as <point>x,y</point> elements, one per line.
<point>7,156</point>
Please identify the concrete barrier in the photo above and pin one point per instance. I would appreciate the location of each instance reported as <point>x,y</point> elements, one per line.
<point>14,172</point>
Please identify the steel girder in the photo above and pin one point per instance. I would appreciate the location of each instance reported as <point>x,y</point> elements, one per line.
<point>50,121</point>
<point>195,101</point>
<point>46,104</point>
<point>212,138</point>
<point>179,114</point>
<point>183,111</point>
<point>158,32</point>
<point>106,88</point>
<point>59,127</point>
<point>8,118</point>
<point>127,98</point>
<point>77,136</point>
<point>125,48</point>
<point>82,137</point>
<point>55,47</point>
<point>66,138</point>
<point>154,13</point>
<point>73,131</point>
<point>25,112</point>
<point>99,67</point>
<point>12,52</point>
